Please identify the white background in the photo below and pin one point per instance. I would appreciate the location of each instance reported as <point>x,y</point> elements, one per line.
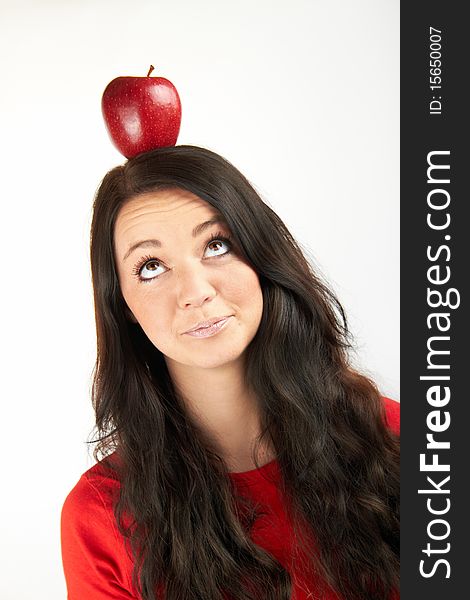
<point>302,96</point>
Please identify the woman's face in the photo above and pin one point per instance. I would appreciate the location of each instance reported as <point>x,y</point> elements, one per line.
<point>173,277</point>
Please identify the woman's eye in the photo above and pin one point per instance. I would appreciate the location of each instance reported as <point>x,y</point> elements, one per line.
<point>216,244</point>
<point>150,269</point>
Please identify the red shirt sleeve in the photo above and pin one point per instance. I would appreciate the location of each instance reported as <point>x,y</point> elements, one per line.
<point>392,412</point>
<point>96,566</point>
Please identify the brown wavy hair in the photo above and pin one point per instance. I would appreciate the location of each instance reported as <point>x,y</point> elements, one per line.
<point>339,463</point>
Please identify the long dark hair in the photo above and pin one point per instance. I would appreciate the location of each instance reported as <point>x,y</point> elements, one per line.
<point>339,463</point>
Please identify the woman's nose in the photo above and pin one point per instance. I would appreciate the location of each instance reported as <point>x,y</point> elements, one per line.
<point>194,287</point>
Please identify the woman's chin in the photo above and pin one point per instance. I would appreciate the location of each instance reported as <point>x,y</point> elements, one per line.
<point>209,358</point>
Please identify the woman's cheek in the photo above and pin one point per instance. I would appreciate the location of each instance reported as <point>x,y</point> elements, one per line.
<point>244,283</point>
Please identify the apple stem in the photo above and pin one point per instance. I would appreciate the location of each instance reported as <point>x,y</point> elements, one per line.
<point>150,70</point>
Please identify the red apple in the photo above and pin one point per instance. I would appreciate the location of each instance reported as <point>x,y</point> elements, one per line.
<point>141,113</point>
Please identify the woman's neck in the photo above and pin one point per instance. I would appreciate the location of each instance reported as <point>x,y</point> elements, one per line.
<point>219,401</point>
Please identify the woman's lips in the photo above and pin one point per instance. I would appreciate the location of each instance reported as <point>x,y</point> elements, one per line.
<point>210,331</point>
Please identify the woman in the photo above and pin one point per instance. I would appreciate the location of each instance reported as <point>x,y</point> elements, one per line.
<point>240,456</point>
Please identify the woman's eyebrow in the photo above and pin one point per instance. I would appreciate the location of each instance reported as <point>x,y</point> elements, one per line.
<point>154,243</point>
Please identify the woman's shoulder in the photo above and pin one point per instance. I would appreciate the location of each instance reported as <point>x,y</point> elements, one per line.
<point>392,413</point>
<point>93,551</point>
<point>89,504</point>
<point>96,484</point>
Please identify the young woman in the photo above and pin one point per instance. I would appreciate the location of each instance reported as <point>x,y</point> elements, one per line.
<point>239,454</point>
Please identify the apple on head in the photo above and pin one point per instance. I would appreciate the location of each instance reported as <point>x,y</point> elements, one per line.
<point>141,113</point>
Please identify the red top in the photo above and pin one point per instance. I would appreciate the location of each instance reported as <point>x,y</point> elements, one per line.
<point>96,564</point>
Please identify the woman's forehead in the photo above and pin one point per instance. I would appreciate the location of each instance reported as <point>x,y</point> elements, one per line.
<point>163,200</point>
<point>163,206</point>
<point>164,210</point>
